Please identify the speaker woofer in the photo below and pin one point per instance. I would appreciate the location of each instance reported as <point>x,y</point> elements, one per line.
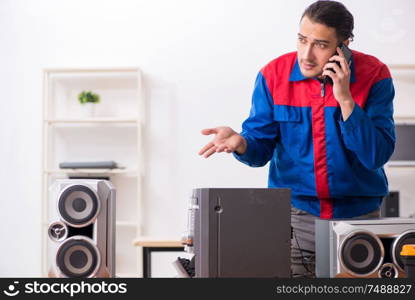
<point>78,205</point>
<point>78,257</point>
<point>407,237</point>
<point>361,253</point>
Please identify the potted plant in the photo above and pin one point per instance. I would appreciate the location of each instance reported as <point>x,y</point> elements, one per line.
<point>88,100</point>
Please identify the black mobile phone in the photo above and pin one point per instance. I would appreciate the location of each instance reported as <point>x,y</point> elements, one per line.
<point>347,54</point>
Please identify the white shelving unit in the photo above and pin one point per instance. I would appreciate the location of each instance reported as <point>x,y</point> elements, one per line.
<point>404,81</point>
<point>111,133</point>
<point>401,173</point>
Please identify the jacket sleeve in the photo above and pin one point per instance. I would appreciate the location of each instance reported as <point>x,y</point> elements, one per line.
<point>259,129</point>
<point>370,132</point>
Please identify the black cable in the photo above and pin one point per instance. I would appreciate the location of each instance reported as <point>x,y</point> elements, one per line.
<point>301,253</point>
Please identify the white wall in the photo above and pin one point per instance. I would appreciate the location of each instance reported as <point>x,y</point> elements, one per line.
<point>199,59</point>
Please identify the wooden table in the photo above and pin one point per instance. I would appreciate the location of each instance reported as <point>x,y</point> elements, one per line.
<point>155,245</point>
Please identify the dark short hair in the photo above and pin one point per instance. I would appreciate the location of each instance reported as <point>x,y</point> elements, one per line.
<point>332,14</point>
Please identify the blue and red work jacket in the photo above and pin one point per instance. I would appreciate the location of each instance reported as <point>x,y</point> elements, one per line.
<point>333,167</point>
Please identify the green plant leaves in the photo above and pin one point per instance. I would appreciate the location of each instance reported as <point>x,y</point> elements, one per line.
<point>88,96</point>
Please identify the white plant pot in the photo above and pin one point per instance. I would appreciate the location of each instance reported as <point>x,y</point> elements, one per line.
<point>88,110</point>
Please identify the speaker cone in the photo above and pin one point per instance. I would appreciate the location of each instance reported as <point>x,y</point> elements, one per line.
<point>78,205</point>
<point>361,253</point>
<point>78,257</point>
<point>407,237</point>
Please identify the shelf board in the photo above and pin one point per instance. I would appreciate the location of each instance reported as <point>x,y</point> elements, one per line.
<point>91,171</point>
<point>126,275</point>
<point>402,66</point>
<point>92,120</point>
<point>404,119</point>
<point>145,241</point>
<point>117,223</point>
<point>400,164</point>
<point>92,70</point>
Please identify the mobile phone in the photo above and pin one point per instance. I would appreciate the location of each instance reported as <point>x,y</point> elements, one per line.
<point>347,54</point>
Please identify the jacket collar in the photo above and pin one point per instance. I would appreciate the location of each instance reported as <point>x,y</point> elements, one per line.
<point>296,74</point>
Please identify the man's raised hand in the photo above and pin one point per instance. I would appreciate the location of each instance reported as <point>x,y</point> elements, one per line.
<point>225,140</point>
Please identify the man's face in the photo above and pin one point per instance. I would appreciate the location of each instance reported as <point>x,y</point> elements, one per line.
<point>316,44</point>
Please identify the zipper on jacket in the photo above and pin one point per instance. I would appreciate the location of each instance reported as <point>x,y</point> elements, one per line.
<point>323,89</point>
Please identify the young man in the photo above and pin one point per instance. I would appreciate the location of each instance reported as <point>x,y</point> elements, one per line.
<point>328,142</point>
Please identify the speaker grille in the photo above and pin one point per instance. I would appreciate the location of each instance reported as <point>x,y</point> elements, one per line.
<point>361,253</point>
<point>78,257</point>
<point>78,205</point>
<point>407,237</point>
